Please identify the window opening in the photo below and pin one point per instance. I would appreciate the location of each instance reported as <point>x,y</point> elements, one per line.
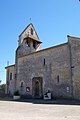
<point>58,78</point>
<point>31,31</point>
<point>10,76</point>
<point>44,61</point>
<point>27,43</point>
<point>21,84</point>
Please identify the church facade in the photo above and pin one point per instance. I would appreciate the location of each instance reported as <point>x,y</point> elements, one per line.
<point>36,71</point>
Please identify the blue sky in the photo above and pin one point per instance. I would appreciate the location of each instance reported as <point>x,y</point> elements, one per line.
<point>52,19</point>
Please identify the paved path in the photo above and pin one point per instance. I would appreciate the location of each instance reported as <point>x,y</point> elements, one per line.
<point>11,110</point>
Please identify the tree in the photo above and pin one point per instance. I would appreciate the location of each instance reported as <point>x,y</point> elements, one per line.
<point>2,87</point>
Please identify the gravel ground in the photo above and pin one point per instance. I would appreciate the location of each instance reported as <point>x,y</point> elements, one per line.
<point>39,110</point>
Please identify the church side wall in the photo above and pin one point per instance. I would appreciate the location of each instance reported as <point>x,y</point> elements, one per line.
<point>53,65</point>
<point>75,57</point>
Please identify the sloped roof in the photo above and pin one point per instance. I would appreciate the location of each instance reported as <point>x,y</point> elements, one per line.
<point>53,47</point>
<point>26,28</point>
<point>10,66</point>
<point>33,39</point>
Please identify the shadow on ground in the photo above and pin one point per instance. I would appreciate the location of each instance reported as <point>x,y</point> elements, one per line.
<point>41,101</point>
<point>53,101</point>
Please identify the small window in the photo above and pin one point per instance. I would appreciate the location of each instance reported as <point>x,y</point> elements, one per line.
<point>44,61</point>
<point>58,78</point>
<point>31,31</point>
<point>21,84</point>
<point>10,76</point>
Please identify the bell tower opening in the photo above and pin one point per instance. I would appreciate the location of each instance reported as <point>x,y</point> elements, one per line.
<point>34,44</point>
<point>28,41</point>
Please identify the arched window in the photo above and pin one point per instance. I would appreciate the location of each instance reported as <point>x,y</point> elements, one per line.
<point>21,84</point>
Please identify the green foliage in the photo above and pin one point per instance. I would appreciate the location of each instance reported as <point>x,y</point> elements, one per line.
<point>2,87</point>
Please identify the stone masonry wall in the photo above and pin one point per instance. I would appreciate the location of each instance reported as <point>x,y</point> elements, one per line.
<point>75,57</point>
<point>53,65</point>
<point>10,84</point>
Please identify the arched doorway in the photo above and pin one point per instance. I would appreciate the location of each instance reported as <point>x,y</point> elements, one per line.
<point>37,91</point>
<point>37,88</point>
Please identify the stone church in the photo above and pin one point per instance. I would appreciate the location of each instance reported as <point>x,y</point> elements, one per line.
<point>36,71</point>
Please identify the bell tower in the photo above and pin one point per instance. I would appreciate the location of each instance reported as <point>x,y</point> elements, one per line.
<point>28,41</point>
